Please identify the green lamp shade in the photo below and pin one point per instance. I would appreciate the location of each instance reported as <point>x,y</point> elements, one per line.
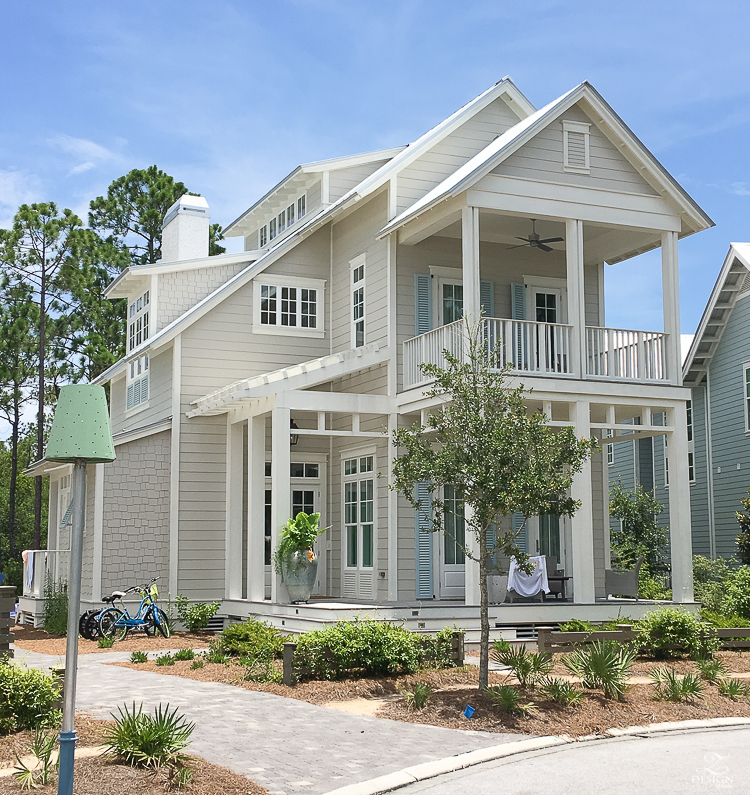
<point>80,428</point>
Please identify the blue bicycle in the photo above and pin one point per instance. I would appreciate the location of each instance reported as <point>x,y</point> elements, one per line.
<point>116,622</point>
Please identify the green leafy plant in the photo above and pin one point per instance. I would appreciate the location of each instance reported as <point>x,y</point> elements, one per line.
<point>28,698</point>
<point>437,649</point>
<point>173,778</point>
<point>261,668</point>
<point>721,620</point>
<point>55,620</point>
<point>298,533</point>
<point>736,601</point>
<point>561,692</point>
<point>709,578</point>
<point>149,741</point>
<point>603,665</point>
<point>105,643</point>
<point>250,637</point>
<point>733,688</point>
<point>672,632</point>
<point>184,654</point>
<point>139,657</point>
<point>215,653</point>
<point>637,533</point>
<point>417,696</point>
<point>197,617</point>
<point>527,667</point>
<point>712,669</point>
<point>743,537</point>
<point>651,587</point>
<point>196,664</point>
<point>165,659</point>
<point>43,743</point>
<point>671,687</point>
<point>509,699</point>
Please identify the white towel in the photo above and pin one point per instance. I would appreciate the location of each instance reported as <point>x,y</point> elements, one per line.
<point>28,559</point>
<point>528,584</point>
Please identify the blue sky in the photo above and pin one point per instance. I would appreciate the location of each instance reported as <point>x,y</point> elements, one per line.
<point>230,96</point>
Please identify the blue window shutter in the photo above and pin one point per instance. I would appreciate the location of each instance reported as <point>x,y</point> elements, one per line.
<point>487,298</point>
<point>518,301</point>
<point>423,541</point>
<point>522,542</point>
<point>422,303</point>
<point>144,389</point>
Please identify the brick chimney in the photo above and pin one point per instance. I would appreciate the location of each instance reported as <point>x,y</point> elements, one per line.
<point>185,229</point>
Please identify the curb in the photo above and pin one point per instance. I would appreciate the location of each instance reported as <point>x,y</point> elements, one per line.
<point>450,764</point>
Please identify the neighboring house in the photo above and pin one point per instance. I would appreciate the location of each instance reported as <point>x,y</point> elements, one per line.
<point>259,384</point>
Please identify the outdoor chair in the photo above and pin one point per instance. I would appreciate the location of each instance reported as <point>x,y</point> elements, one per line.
<point>556,587</point>
<point>623,583</point>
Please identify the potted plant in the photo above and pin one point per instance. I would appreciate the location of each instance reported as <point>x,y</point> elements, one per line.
<point>295,559</point>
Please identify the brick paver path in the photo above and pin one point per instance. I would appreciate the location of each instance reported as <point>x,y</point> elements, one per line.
<point>287,746</point>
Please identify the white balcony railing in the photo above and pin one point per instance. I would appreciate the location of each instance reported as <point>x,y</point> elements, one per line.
<point>528,347</point>
<point>39,563</point>
<point>626,355</point>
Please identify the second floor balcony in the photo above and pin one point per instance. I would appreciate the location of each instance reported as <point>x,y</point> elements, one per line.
<point>546,349</point>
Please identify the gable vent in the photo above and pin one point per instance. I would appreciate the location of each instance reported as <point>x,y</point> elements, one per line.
<point>576,147</point>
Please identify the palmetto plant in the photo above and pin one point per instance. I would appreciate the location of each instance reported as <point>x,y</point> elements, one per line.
<point>671,687</point>
<point>418,696</point>
<point>712,669</point>
<point>509,699</point>
<point>43,743</point>
<point>139,657</point>
<point>527,667</point>
<point>561,691</point>
<point>149,741</point>
<point>604,665</point>
<point>733,688</point>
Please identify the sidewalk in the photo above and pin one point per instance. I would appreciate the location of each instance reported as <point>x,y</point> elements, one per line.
<point>287,746</point>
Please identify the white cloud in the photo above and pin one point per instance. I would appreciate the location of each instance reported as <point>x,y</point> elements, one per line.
<point>16,188</point>
<point>80,169</point>
<point>91,153</point>
<point>741,188</point>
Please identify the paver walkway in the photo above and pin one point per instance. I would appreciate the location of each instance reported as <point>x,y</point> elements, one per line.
<point>288,746</point>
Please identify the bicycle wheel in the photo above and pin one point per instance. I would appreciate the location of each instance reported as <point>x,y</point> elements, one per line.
<point>108,624</point>
<point>92,626</point>
<point>83,623</point>
<point>162,622</point>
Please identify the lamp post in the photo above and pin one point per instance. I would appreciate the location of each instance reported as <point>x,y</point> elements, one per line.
<point>80,434</point>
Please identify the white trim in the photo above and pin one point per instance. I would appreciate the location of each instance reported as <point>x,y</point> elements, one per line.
<point>362,571</point>
<point>174,467</point>
<point>745,398</point>
<point>552,284</point>
<point>287,281</point>
<point>145,430</point>
<point>359,261</point>
<point>96,578</point>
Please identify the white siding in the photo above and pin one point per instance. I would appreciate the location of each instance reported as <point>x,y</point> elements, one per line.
<point>159,396</point>
<point>342,180</point>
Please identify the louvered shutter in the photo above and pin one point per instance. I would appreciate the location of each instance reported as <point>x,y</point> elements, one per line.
<point>422,303</point>
<point>144,389</point>
<point>518,312</point>
<point>129,401</point>
<point>423,541</point>
<point>518,301</point>
<point>523,540</point>
<point>487,298</point>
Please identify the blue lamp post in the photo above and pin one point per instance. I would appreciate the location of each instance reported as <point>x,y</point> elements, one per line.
<point>80,434</point>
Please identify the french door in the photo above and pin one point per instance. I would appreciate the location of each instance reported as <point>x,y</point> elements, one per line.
<point>452,559</point>
<point>359,527</point>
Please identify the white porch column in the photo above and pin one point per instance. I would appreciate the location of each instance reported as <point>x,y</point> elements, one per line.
<point>679,507</point>
<point>472,594</point>
<point>233,540</point>
<point>392,516</point>
<point>281,504</point>
<point>582,523</point>
<point>670,279</point>
<point>96,585</point>
<point>470,263</point>
<point>576,296</point>
<point>256,514</point>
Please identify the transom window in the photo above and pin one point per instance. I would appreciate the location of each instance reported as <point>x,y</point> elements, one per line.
<point>359,511</point>
<point>284,220</point>
<point>138,320</point>
<point>358,301</point>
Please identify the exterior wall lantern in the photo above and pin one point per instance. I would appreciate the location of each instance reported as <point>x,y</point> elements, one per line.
<point>80,435</point>
<point>294,437</point>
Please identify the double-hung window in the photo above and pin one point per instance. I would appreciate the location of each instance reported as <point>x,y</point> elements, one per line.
<point>139,317</point>
<point>357,270</point>
<point>138,320</point>
<point>289,305</point>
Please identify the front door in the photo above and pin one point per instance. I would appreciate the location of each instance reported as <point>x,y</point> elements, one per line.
<point>452,558</point>
<point>451,301</point>
<point>549,536</point>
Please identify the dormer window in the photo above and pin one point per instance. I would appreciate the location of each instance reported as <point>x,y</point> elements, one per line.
<point>576,156</point>
<point>138,321</point>
<point>284,220</point>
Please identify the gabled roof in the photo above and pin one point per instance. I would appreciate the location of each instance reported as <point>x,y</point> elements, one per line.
<point>732,280</point>
<point>509,142</point>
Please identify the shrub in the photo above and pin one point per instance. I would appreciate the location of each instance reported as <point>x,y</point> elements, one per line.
<point>527,667</point>
<point>418,696</point>
<point>215,653</point>
<point>251,637</point>
<point>261,668</point>
<point>712,670</point>
<point>28,698</point>
<point>720,620</point>
<point>437,649</point>
<point>165,659</point>
<point>649,587</point>
<point>509,699</point>
<point>105,643</point>
<point>577,625</point>
<point>737,598</point>
<point>184,654</point>
<point>671,687</point>
<point>55,620</point>
<point>671,632</point>
<point>561,692</point>
<point>142,740</point>
<point>196,617</point>
<point>196,664</point>
<point>602,665</point>
<point>139,657</point>
<point>709,577</point>
<point>733,688</point>
<point>43,743</point>
<point>358,648</point>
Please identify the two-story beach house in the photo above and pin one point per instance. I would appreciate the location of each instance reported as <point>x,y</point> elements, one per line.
<point>263,383</point>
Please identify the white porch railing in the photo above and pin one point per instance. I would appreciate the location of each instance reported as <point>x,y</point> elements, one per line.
<point>623,354</point>
<point>56,562</point>
<point>528,347</point>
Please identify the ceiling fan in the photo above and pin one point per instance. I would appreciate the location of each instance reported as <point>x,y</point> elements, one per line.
<point>534,241</point>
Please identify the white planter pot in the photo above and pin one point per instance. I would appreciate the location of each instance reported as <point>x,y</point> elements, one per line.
<point>497,587</point>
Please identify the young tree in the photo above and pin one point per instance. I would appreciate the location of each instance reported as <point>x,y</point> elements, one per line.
<point>131,215</point>
<point>33,252</point>
<point>483,441</point>
<point>639,534</point>
<point>743,538</point>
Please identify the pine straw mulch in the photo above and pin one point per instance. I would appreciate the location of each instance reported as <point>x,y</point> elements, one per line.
<point>26,637</point>
<point>101,776</point>
<point>457,687</point>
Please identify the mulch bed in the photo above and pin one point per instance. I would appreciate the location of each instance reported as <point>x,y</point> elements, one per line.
<point>90,732</point>
<point>26,637</point>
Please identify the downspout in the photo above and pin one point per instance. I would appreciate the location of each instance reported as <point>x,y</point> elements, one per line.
<point>710,472</point>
